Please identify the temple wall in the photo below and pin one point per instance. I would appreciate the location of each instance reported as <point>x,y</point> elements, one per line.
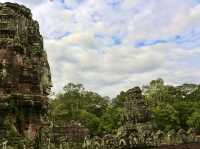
<point>25,78</point>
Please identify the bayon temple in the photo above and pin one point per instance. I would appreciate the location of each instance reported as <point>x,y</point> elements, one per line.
<point>25,83</point>
<point>25,79</point>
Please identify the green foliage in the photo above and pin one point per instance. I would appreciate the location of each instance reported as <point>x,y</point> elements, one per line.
<point>119,100</point>
<point>90,120</point>
<point>185,110</point>
<point>165,117</point>
<point>156,93</point>
<point>110,120</point>
<point>75,103</point>
<point>172,107</point>
<point>194,120</point>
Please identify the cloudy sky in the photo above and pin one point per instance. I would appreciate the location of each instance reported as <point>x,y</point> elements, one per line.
<point>113,45</point>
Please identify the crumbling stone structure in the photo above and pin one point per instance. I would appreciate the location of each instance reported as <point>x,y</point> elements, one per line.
<point>136,109</point>
<point>25,79</point>
<point>71,134</point>
<point>136,117</point>
<point>137,130</point>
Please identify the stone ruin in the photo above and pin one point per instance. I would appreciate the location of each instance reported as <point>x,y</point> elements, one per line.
<point>25,79</point>
<point>25,83</point>
<point>137,130</point>
<point>136,110</point>
<point>69,135</point>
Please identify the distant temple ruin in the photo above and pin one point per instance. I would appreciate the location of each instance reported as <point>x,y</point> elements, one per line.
<point>25,79</point>
<point>25,83</point>
<point>136,109</point>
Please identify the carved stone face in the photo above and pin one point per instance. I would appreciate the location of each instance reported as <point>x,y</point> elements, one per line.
<point>24,69</point>
<point>5,56</point>
<point>10,63</point>
<point>10,58</point>
<point>31,131</point>
<point>8,26</point>
<point>5,63</point>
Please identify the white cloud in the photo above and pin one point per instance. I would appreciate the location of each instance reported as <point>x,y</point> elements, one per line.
<point>92,42</point>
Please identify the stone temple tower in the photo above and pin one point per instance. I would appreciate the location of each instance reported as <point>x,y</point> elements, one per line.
<point>136,111</point>
<point>25,79</point>
<point>135,108</point>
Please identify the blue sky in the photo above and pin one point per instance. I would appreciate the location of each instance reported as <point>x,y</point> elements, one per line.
<point>113,45</point>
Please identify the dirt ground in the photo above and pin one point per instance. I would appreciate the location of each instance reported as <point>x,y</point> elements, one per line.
<point>182,146</point>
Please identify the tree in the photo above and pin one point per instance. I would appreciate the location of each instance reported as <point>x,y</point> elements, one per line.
<point>119,100</point>
<point>185,110</point>
<point>77,104</point>
<point>110,120</point>
<point>155,91</point>
<point>90,120</point>
<point>165,117</point>
<point>194,120</point>
<point>172,107</point>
